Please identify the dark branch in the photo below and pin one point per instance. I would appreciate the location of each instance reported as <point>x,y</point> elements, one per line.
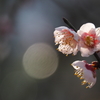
<point>69,24</point>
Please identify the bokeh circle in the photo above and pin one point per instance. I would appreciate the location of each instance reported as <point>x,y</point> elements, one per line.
<point>40,60</point>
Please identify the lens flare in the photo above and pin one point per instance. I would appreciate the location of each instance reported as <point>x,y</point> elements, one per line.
<point>40,60</point>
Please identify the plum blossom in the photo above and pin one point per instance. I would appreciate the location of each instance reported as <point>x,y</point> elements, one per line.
<point>89,39</point>
<point>67,40</point>
<point>86,71</point>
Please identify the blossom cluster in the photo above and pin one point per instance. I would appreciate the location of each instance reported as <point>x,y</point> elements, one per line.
<point>87,41</point>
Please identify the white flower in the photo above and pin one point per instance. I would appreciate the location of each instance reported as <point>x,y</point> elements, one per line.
<point>86,71</point>
<point>67,40</point>
<point>89,39</point>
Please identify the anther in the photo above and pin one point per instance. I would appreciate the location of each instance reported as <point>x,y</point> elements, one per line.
<point>73,55</point>
<point>84,82</point>
<point>81,78</point>
<point>87,86</point>
<point>76,66</point>
<point>57,49</point>
<point>79,75</point>
<point>75,73</point>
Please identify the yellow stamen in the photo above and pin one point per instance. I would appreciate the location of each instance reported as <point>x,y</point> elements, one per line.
<point>57,49</point>
<point>89,41</point>
<point>79,75</point>
<point>87,86</point>
<point>84,82</point>
<point>72,65</point>
<point>76,66</point>
<point>75,73</point>
<point>81,78</point>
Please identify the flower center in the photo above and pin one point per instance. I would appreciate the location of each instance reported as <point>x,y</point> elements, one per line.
<point>89,41</point>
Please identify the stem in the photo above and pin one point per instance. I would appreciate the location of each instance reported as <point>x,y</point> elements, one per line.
<point>72,27</point>
<point>97,57</point>
<point>69,24</point>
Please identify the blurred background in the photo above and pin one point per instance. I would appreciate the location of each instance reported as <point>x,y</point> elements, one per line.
<point>30,66</point>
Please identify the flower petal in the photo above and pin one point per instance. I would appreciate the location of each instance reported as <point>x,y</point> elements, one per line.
<point>97,30</point>
<point>57,33</point>
<point>87,27</point>
<point>78,64</point>
<point>75,50</point>
<point>65,49</point>
<point>71,31</point>
<point>61,27</point>
<point>85,71</point>
<point>80,32</point>
<point>98,47</point>
<point>88,76</point>
<point>85,52</point>
<point>67,40</point>
<point>92,31</point>
<point>58,36</point>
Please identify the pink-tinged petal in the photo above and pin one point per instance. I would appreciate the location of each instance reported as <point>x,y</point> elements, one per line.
<point>87,43</point>
<point>57,33</point>
<point>85,52</point>
<point>76,37</point>
<point>98,47</point>
<point>58,39</point>
<point>78,64</point>
<point>64,27</point>
<point>80,33</point>
<point>88,76</point>
<point>97,30</point>
<point>65,49</point>
<point>92,32</point>
<point>75,50</point>
<point>61,28</point>
<point>87,27</point>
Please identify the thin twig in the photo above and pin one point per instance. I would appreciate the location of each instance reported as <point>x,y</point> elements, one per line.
<point>69,24</point>
<point>97,57</point>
